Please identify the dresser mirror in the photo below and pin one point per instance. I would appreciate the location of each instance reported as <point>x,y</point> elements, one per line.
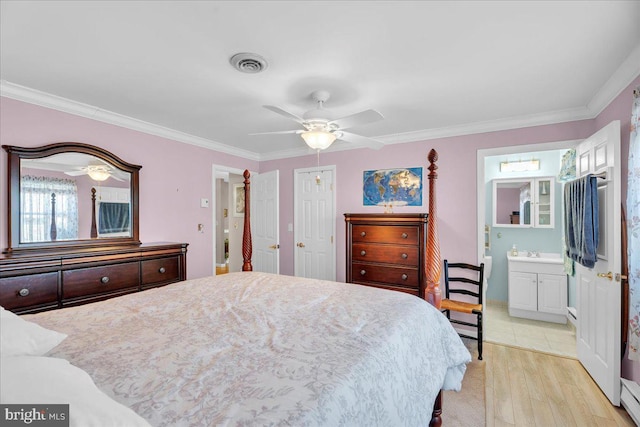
<point>70,195</point>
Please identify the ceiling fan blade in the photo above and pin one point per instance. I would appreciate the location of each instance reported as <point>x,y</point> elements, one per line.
<point>279,132</point>
<point>360,118</point>
<point>361,140</point>
<point>284,113</point>
<point>76,173</point>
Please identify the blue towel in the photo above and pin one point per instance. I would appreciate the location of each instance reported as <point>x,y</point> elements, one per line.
<point>581,220</point>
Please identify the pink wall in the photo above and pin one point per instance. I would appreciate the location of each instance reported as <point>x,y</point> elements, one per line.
<point>456,184</point>
<point>173,178</point>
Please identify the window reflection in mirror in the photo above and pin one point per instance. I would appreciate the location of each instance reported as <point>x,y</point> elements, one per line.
<point>512,203</point>
<point>56,198</point>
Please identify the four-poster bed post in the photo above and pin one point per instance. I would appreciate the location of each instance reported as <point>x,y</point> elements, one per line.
<point>94,228</point>
<point>53,230</point>
<point>247,247</point>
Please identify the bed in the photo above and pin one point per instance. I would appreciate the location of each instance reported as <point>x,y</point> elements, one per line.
<point>251,348</point>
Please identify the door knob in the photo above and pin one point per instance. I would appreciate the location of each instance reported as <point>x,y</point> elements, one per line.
<point>276,246</point>
<point>300,245</point>
<point>608,275</point>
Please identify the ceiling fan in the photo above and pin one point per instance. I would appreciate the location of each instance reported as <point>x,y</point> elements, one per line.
<point>96,172</point>
<point>321,129</point>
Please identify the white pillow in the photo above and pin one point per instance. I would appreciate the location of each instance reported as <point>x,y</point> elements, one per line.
<point>20,337</point>
<point>49,380</point>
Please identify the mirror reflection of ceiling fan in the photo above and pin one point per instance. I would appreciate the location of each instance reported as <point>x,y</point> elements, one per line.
<point>321,129</point>
<point>96,172</point>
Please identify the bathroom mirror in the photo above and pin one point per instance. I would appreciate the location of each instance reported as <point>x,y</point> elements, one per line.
<point>69,195</point>
<point>512,202</point>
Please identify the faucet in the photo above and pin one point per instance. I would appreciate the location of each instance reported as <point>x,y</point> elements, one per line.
<point>535,254</point>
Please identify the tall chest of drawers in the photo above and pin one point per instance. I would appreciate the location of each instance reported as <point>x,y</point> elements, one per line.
<point>387,251</point>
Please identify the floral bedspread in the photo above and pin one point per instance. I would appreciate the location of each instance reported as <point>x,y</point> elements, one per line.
<point>246,349</point>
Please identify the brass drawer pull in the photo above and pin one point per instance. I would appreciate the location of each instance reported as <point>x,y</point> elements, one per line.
<point>363,272</point>
<point>362,234</point>
<point>405,235</point>
<point>404,256</point>
<point>23,292</point>
<point>363,253</point>
<point>161,270</point>
<point>105,279</point>
<point>404,277</point>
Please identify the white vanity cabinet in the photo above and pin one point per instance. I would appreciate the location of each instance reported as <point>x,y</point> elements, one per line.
<point>537,288</point>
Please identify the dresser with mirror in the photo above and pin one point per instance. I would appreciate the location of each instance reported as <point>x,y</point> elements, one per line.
<point>73,230</point>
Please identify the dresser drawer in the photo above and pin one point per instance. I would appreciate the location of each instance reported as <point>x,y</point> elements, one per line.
<point>99,280</point>
<point>161,270</point>
<point>404,235</point>
<point>29,290</point>
<point>390,254</point>
<point>366,273</point>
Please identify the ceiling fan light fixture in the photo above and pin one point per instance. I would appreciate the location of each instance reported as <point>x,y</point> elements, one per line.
<point>98,173</point>
<point>318,139</point>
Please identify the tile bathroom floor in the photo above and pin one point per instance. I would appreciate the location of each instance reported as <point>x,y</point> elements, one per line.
<point>547,337</point>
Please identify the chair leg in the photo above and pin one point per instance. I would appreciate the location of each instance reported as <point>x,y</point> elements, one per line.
<point>480,336</point>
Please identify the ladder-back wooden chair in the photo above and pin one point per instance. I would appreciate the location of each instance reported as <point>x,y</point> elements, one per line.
<point>468,280</point>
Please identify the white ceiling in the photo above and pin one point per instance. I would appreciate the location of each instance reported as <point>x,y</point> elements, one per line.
<point>431,68</point>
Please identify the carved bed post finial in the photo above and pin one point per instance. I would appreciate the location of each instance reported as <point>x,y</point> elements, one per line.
<point>246,233</point>
<point>433,294</point>
<point>94,229</point>
<point>53,231</point>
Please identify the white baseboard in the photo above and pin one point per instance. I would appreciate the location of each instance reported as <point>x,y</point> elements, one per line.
<point>630,398</point>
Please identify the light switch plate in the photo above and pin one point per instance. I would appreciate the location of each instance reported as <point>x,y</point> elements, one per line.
<point>204,203</point>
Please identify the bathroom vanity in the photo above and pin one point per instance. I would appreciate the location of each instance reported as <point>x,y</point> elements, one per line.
<point>537,286</point>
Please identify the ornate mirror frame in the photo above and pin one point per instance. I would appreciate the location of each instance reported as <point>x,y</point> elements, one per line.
<point>16,154</point>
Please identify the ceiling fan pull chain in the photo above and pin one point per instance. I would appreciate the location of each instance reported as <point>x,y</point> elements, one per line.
<point>318,175</point>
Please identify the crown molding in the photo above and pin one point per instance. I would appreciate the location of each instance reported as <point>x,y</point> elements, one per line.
<point>43,99</point>
<point>623,76</point>
<point>553,117</point>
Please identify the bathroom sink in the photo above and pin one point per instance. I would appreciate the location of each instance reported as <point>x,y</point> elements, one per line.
<point>544,257</point>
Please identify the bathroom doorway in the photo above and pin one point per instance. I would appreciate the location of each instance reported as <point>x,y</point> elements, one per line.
<point>496,241</point>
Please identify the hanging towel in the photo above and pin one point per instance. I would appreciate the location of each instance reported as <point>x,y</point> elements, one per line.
<point>581,220</point>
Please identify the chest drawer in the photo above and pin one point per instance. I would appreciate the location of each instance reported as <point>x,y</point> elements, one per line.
<point>29,290</point>
<point>365,273</point>
<point>98,280</point>
<point>403,235</point>
<point>161,270</point>
<point>389,254</point>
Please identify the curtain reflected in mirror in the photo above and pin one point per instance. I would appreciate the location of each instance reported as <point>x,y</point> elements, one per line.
<point>49,209</point>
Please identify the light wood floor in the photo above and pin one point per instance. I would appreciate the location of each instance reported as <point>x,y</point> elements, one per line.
<point>222,270</point>
<point>528,388</point>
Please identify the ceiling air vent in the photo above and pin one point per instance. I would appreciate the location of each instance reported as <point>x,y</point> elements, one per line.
<point>248,62</point>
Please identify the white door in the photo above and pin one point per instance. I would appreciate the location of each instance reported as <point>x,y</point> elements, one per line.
<point>315,223</point>
<point>598,289</point>
<point>264,222</point>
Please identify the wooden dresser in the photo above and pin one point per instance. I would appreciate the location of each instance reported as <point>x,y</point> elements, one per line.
<point>48,280</point>
<point>387,251</point>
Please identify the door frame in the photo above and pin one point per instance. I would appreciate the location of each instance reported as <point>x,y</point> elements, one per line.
<point>480,184</point>
<point>215,171</point>
<point>297,171</point>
